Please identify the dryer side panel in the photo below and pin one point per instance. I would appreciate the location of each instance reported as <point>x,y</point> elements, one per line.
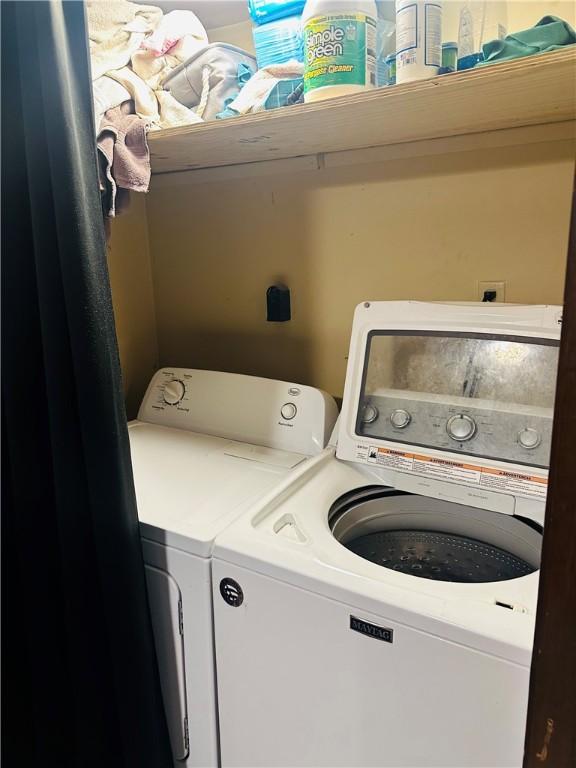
<point>188,631</point>
<point>166,613</point>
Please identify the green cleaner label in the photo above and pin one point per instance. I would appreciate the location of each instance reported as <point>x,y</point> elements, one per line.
<point>339,50</point>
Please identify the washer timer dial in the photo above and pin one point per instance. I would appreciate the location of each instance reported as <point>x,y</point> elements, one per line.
<point>370,414</point>
<point>400,418</point>
<point>174,391</point>
<point>461,427</point>
<point>529,438</point>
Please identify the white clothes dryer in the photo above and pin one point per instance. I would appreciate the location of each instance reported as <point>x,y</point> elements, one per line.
<point>205,447</point>
<point>389,596</point>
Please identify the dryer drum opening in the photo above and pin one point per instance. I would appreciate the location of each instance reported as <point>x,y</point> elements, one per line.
<point>434,539</point>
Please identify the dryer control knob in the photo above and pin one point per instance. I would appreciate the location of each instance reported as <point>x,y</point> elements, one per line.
<point>529,438</point>
<point>400,418</point>
<point>461,427</point>
<point>288,411</point>
<point>174,391</point>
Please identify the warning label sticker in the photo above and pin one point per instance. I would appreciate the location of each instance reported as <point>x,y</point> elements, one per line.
<point>513,482</point>
<point>499,480</point>
<point>386,457</point>
<point>445,469</point>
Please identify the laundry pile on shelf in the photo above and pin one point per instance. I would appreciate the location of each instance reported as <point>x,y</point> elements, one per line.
<point>152,70</point>
<point>133,48</point>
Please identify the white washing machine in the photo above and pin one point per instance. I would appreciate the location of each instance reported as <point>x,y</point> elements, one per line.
<point>388,598</point>
<point>205,447</point>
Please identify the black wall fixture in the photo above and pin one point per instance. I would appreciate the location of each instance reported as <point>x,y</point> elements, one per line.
<point>278,304</point>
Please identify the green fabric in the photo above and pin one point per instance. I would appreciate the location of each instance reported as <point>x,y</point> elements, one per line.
<point>549,34</point>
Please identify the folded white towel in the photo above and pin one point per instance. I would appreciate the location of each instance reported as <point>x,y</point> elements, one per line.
<point>158,108</point>
<point>108,93</point>
<point>116,29</point>
<point>122,70</point>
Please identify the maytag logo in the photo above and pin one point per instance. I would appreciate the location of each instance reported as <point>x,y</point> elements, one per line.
<point>372,630</point>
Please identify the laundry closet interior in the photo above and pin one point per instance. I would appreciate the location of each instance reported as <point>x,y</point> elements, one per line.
<point>389,265</point>
<point>428,219</point>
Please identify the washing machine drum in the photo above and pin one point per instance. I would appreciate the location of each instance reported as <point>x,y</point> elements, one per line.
<point>435,539</point>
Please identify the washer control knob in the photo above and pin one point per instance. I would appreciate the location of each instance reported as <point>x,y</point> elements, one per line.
<point>370,414</point>
<point>461,427</point>
<point>529,438</point>
<point>174,391</point>
<point>288,411</point>
<point>400,418</point>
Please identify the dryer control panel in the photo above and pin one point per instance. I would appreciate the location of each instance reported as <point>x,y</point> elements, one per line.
<point>264,412</point>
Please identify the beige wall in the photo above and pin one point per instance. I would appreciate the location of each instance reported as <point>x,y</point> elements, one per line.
<point>235,34</point>
<point>426,228</point>
<point>422,228</point>
<point>525,13</point>
<point>132,293</point>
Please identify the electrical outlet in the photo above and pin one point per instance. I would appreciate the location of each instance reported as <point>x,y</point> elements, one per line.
<point>487,287</point>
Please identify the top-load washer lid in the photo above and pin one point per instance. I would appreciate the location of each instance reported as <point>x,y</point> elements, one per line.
<point>434,539</point>
<point>456,394</point>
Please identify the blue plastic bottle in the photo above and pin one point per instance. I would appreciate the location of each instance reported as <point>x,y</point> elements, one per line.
<point>264,11</point>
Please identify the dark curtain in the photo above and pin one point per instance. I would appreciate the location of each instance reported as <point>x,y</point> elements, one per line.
<point>80,679</point>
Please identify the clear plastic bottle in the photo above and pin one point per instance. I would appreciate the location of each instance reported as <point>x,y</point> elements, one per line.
<point>479,22</point>
<point>385,39</point>
<point>339,47</point>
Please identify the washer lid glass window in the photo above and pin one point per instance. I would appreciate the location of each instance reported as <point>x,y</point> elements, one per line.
<point>483,395</point>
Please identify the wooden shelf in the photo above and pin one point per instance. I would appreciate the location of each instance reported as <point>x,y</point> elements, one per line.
<point>530,91</point>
